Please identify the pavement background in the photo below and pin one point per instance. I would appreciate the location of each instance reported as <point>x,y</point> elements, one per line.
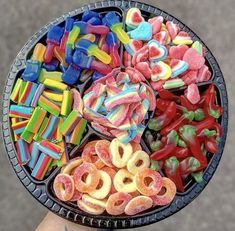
<point>213,21</point>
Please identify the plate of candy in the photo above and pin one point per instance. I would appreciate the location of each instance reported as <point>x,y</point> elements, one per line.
<point>115,115</point>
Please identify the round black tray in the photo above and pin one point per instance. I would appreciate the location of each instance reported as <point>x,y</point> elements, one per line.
<point>42,190</point>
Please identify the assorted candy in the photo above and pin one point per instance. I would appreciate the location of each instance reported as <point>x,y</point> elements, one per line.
<point>163,53</point>
<point>77,76</point>
<point>120,93</point>
<point>113,177</point>
<point>184,133</point>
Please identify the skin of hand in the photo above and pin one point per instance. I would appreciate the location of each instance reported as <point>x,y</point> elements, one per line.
<point>52,222</point>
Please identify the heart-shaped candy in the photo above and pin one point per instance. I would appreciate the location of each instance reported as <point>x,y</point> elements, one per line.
<point>178,67</point>
<point>133,46</point>
<point>144,68</point>
<point>192,93</point>
<point>183,38</point>
<point>198,47</point>
<point>135,75</point>
<point>190,77</point>
<point>141,55</point>
<point>142,32</point>
<point>156,23</point>
<point>157,52</point>
<point>162,37</point>
<point>157,85</point>
<point>173,29</point>
<point>194,60</point>
<point>204,74</point>
<point>177,52</point>
<point>134,18</point>
<point>160,71</point>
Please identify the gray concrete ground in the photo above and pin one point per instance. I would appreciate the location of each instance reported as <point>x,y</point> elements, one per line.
<point>213,21</point>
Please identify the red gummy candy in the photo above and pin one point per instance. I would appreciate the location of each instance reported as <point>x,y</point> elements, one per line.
<point>135,75</point>
<point>157,85</point>
<point>156,23</point>
<point>190,77</point>
<point>194,60</point>
<point>161,37</point>
<point>192,93</point>
<point>144,68</point>
<point>177,52</point>
<point>204,74</point>
<point>141,55</point>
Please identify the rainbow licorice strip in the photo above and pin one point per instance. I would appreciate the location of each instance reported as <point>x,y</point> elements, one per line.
<point>34,155</point>
<point>50,127</point>
<point>51,149</point>
<point>16,91</point>
<point>22,152</point>
<point>20,111</point>
<point>41,166</point>
<point>28,93</point>
<point>49,105</point>
<point>19,127</point>
<point>36,120</point>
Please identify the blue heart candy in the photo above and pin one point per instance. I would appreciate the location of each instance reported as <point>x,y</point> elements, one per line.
<point>142,32</point>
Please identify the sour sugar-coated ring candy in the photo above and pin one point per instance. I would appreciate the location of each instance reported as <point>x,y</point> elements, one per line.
<point>63,186</point>
<point>83,185</point>
<point>76,196</point>
<point>124,181</point>
<point>120,153</point>
<point>117,202</point>
<point>104,186</point>
<point>71,166</point>
<point>88,208</point>
<point>138,205</point>
<point>94,202</point>
<point>102,150</point>
<point>88,155</point>
<point>135,146</point>
<point>152,187</point>
<point>112,172</point>
<point>168,195</point>
<point>138,161</point>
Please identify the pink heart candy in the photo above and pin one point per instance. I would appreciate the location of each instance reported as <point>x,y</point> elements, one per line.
<point>141,55</point>
<point>156,23</point>
<point>161,37</point>
<point>172,28</point>
<point>157,85</point>
<point>204,74</point>
<point>144,68</point>
<point>177,52</point>
<point>194,60</point>
<point>190,77</point>
<point>192,93</point>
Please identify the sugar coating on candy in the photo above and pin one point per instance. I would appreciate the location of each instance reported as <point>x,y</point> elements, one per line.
<point>138,204</point>
<point>50,108</point>
<point>192,93</point>
<point>86,185</point>
<point>102,191</point>
<point>168,195</point>
<point>146,188</point>
<point>114,209</point>
<point>63,186</point>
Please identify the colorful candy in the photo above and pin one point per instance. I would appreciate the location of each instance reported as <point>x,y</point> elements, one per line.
<point>22,152</point>
<point>168,194</point>
<point>76,89</point>
<point>63,186</point>
<point>114,207</point>
<point>138,204</point>
<point>89,184</point>
<point>41,167</point>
